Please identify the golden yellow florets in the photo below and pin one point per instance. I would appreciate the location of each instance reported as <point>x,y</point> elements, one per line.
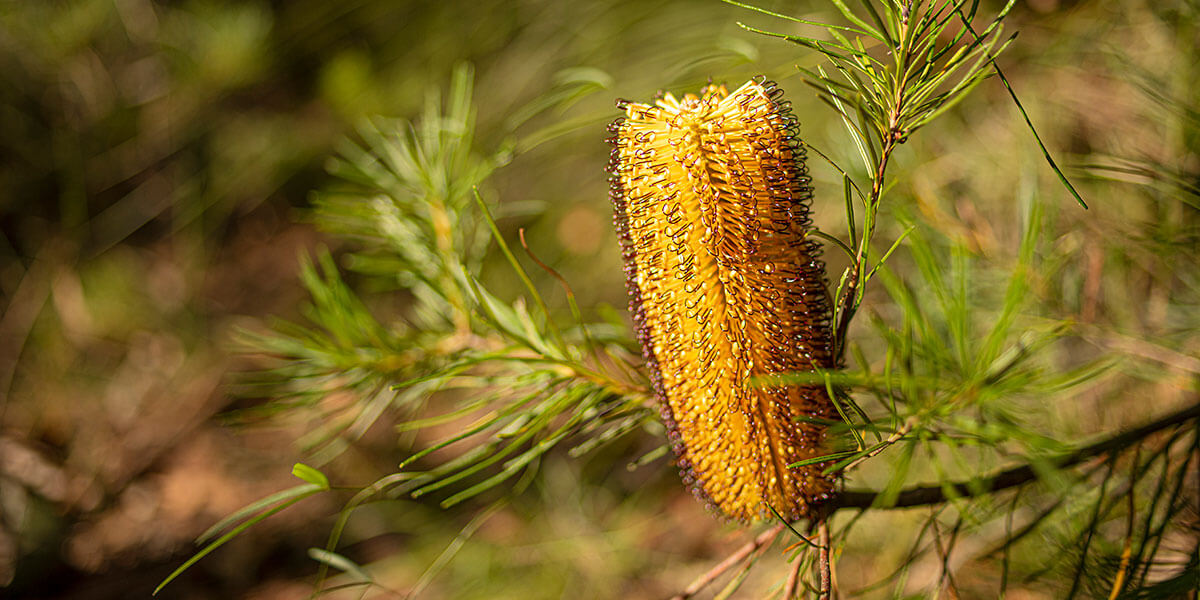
<point>711,197</point>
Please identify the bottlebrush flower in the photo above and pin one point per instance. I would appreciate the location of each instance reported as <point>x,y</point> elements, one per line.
<point>711,198</point>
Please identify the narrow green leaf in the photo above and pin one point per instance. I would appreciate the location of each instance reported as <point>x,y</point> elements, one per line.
<point>833,397</point>
<point>310,475</point>
<point>453,547</point>
<point>853,18</point>
<point>512,260</point>
<point>855,133</point>
<point>788,524</point>
<point>648,457</point>
<point>791,18</point>
<point>254,507</point>
<point>823,458</point>
<point>847,185</point>
<point>313,489</point>
<point>883,28</point>
<point>890,250</point>
<point>1025,115</point>
<point>899,477</point>
<point>339,562</point>
<point>825,236</point>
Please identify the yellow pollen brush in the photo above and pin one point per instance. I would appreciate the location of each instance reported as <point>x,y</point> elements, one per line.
<point>711,198</point>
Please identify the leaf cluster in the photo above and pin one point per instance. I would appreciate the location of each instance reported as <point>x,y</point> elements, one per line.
<point>515,382</point>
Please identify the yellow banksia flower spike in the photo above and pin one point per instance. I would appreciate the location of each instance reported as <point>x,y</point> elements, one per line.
<point>711,198</point>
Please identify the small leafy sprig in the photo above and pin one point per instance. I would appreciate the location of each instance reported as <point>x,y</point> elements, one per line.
<point>891,73</point>
<point>410,202</point>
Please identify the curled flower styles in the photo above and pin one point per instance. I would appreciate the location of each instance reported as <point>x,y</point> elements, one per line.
<point>711,198</point>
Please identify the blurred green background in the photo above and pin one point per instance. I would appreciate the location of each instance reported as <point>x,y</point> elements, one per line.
<point>156,160</point>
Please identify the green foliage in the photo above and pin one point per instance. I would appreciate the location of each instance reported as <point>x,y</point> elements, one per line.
<point>957,385</point>
<point>933,59</point>
<point>520,382</point>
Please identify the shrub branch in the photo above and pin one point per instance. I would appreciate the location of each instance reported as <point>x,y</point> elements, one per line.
<point>1016,476</point>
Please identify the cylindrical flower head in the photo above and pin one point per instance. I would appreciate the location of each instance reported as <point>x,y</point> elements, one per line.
<point>711,199</point>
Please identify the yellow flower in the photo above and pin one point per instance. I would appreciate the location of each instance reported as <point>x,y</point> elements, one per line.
<point>711,196</point>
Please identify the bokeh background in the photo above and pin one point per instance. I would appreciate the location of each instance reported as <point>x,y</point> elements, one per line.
<point>156,162</point>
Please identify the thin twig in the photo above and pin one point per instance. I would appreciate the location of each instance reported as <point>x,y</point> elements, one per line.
<point>793,580</point>
<point>849,302</point>
<point>824,561</point>
<point>1007,86</point>
<point>1127,550</point>
<point>587,337</point>
<point>452,549</point>
<point>1140,348</point>
<point>703,581</point>
<point>944,554</point>
<point>1016,476</point>
<point>884,445</point>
